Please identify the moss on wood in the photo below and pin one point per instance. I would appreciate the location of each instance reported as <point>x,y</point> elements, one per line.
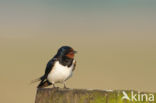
<point>58,95</point>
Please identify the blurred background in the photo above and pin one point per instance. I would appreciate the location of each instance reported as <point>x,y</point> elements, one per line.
<point>115,40</point>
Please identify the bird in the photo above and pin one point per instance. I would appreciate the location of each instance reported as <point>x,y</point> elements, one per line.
<point>59,69</point>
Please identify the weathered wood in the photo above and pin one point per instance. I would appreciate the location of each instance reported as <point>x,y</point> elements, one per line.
<point>58,95</point>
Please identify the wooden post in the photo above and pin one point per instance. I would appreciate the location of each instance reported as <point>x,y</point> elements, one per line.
<point>58,95</point>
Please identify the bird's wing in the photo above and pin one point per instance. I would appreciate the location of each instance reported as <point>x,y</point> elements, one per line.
<point>44,82</point>
<point>49,67</point>
<point>74,65</point>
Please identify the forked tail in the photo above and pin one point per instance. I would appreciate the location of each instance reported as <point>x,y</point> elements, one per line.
<point>38,79</point>
<point>35,80</point>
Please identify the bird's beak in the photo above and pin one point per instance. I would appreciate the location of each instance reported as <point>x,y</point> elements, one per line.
<point>75,52</point>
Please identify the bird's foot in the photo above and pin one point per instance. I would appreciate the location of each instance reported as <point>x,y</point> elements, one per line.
<point>65,87</point>
<point>54,86</point>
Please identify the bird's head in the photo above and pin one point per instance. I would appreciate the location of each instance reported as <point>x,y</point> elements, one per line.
<point>66,51</point>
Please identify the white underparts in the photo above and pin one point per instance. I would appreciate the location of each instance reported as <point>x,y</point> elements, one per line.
<point>60,73</point>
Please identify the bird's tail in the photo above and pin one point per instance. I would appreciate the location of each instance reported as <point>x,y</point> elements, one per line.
<point>36,80</point>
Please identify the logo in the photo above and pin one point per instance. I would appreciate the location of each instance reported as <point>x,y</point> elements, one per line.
<point>138,96</point>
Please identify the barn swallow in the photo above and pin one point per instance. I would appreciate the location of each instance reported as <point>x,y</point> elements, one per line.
<point>59,68</point>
